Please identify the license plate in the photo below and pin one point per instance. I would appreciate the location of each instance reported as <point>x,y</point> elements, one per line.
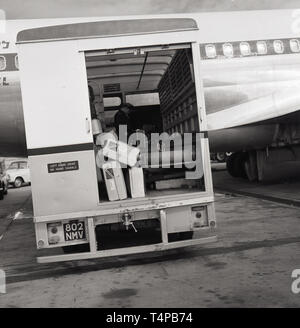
<point>74,230</point>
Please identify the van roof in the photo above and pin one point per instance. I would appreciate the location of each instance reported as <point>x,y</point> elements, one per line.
<point>19,161</point>
<point>105,29</point>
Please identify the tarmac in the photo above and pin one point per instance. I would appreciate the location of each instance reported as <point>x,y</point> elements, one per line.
<point>250,265</point>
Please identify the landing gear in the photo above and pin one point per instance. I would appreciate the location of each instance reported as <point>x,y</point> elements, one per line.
<point>219,157</point>
<point>235,164</point>
<point>263,165</point>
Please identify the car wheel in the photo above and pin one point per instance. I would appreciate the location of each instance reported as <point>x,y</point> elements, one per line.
<point>18,182</point>
<point>1,194</point>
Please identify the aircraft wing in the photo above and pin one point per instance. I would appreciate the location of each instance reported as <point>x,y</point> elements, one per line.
<point>274,105</point>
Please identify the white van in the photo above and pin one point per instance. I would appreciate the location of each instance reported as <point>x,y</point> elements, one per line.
<point>59,65</point>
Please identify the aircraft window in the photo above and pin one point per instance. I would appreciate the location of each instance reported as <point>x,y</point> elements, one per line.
<point>278,46</point>
<point>2,63</point>
<point>245,48</point>
<point>228,49</point>
<point>211,51</point>
<point>111,101</point>
<point>17,61</point>
<point>295,45</point>
<point>261,47</point>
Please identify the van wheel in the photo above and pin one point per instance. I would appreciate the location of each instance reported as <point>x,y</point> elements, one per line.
<point>18,182</point>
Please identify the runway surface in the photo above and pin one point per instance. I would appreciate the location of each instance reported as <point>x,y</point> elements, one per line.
<point>249,266</point>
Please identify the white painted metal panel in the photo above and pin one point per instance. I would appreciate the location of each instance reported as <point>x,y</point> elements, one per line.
<point>66,191</point>
<point>139,40</point>
<point>55,95</point>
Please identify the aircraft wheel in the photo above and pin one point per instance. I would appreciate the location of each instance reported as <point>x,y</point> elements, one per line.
<point>221,157</point>
<point>236,165</point>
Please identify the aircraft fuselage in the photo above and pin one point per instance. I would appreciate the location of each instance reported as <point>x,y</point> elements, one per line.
<point>247,96</point>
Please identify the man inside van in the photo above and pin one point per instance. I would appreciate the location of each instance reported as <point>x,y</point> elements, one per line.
<point>124,116</point>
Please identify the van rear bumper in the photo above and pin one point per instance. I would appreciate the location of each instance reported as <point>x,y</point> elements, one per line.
<point>126,251</point>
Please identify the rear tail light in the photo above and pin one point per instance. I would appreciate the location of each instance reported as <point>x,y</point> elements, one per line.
<point>41,243</point>
<point>54,230</point>
<point>54,240</point>
<point>199,214</point>
<point>212,224</point>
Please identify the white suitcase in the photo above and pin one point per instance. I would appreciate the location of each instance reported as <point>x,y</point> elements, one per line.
<point>114,181</point>
<point>104,137</point>
<point>96,127</point>
<point>136,180</point>
<point>121,152</point>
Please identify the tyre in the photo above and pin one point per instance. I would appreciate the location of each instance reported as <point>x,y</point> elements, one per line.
<point>221,157</point>
<point>235,164</point>
<point>18,182</point>
<point>1,194</point>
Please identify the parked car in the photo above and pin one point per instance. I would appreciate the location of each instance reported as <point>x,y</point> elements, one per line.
<point>3,180</point>
<point>18,173</point>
